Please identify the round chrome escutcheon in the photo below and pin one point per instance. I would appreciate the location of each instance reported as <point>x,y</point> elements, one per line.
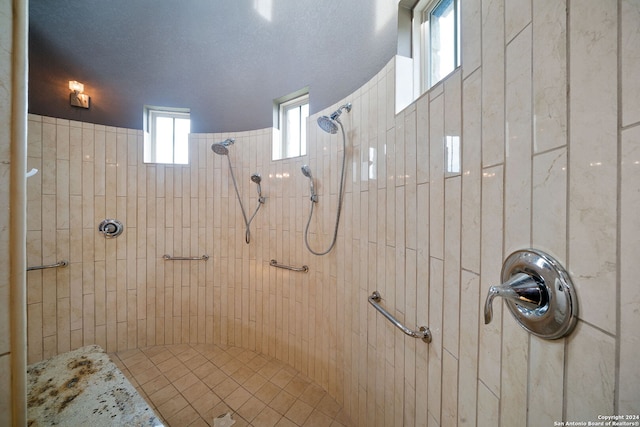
<point>558,317</point>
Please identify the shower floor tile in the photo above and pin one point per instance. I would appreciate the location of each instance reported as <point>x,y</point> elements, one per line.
<point>190,385</point>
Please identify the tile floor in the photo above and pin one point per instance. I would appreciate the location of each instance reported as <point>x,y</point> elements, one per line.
<point>190,385</point>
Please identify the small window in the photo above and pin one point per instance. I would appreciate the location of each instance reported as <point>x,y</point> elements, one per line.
<point>292,117</point>
<point>166,135</point>
<point>437,27</point>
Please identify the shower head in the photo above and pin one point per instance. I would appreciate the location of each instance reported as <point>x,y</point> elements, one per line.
<point>221,147</point>
<point>329,123</point>
<point>306,171</point>
<point>258,179</point>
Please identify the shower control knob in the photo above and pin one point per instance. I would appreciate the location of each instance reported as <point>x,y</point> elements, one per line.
<point>538,292</point>
<point>111,228</point>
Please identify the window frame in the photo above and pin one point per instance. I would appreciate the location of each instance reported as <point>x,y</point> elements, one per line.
<point>422,49</point>
<point>285,150</point>
<point>151,114</point>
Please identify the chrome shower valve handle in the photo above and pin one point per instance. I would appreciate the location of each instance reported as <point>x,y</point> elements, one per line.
<point>522,289</point>
<point>538,292</point>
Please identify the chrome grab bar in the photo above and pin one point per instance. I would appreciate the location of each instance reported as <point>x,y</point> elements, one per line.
<point>182,258</point>
<point>423,333</point>
<point>274,263</point>
<point>42,267</point>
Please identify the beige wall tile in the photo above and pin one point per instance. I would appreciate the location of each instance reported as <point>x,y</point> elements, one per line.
<point>449,389</point>
<point>517,192</point>
<point>436,179</point>
<point>630,61</point>
<point>422,140</point>
<point>549,74</point>
<point>451,290</point>
<point>471,163</point>
<point>549,208</point>
<point>435,347</point>
<point>493,82</point>
<point>34,337</point>
<point>5,394</point>
<point>491,263</point>
<point>488,416</point>
<point>468,357</point>
<point>629,377</point>
<point>471,37</point>
<point>590,373</point>
<point>592,164</point>
<point>546,367</point>
<point>517,16</point>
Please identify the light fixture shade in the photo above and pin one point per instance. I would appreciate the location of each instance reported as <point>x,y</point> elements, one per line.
<point>76,97</point>
<point>76,86</point>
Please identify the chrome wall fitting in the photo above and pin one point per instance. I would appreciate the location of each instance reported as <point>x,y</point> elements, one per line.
<point>538,292</point>
<point>111,228</point>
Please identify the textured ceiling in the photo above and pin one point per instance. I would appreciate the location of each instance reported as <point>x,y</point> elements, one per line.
<point>226,60</point>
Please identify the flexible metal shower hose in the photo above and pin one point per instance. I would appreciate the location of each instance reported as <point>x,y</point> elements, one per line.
<point>340,196</point>
<point>247,222</point>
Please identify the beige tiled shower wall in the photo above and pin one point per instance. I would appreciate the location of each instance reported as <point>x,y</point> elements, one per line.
<point>5,244</point>
<point>425,225</point>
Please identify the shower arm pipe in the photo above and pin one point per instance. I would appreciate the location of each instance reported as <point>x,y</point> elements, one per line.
<point>342,173</point>
<point>423,332</point>
<point>43,267</point>
<point>337,113</point>
<point>182,258</point>
<point>274,263</point>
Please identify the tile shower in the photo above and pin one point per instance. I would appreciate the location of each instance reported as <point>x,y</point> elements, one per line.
<point>539,168</point>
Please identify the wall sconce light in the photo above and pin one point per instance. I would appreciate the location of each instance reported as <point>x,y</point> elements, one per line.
<point>76,97</point>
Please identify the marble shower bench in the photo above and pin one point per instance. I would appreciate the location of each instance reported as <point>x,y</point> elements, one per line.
<point>84,387</point>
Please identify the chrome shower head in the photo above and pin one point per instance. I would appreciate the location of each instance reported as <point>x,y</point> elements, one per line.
<point>221,147</point>
<point>329,124</point>
<point>258,179</point>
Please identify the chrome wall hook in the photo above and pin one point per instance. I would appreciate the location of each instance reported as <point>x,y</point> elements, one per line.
<point>538,292</point>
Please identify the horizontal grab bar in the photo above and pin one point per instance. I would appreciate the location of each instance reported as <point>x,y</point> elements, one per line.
<point>42,267</point>
<point>274,263</point>
<point>182,258</point>
<point>423,333</point>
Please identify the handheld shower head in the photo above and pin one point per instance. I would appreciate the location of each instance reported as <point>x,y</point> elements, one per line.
<point>306,171</point>
<point>258,179</point>
<point>329,123</point>
<point>221,147</point>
